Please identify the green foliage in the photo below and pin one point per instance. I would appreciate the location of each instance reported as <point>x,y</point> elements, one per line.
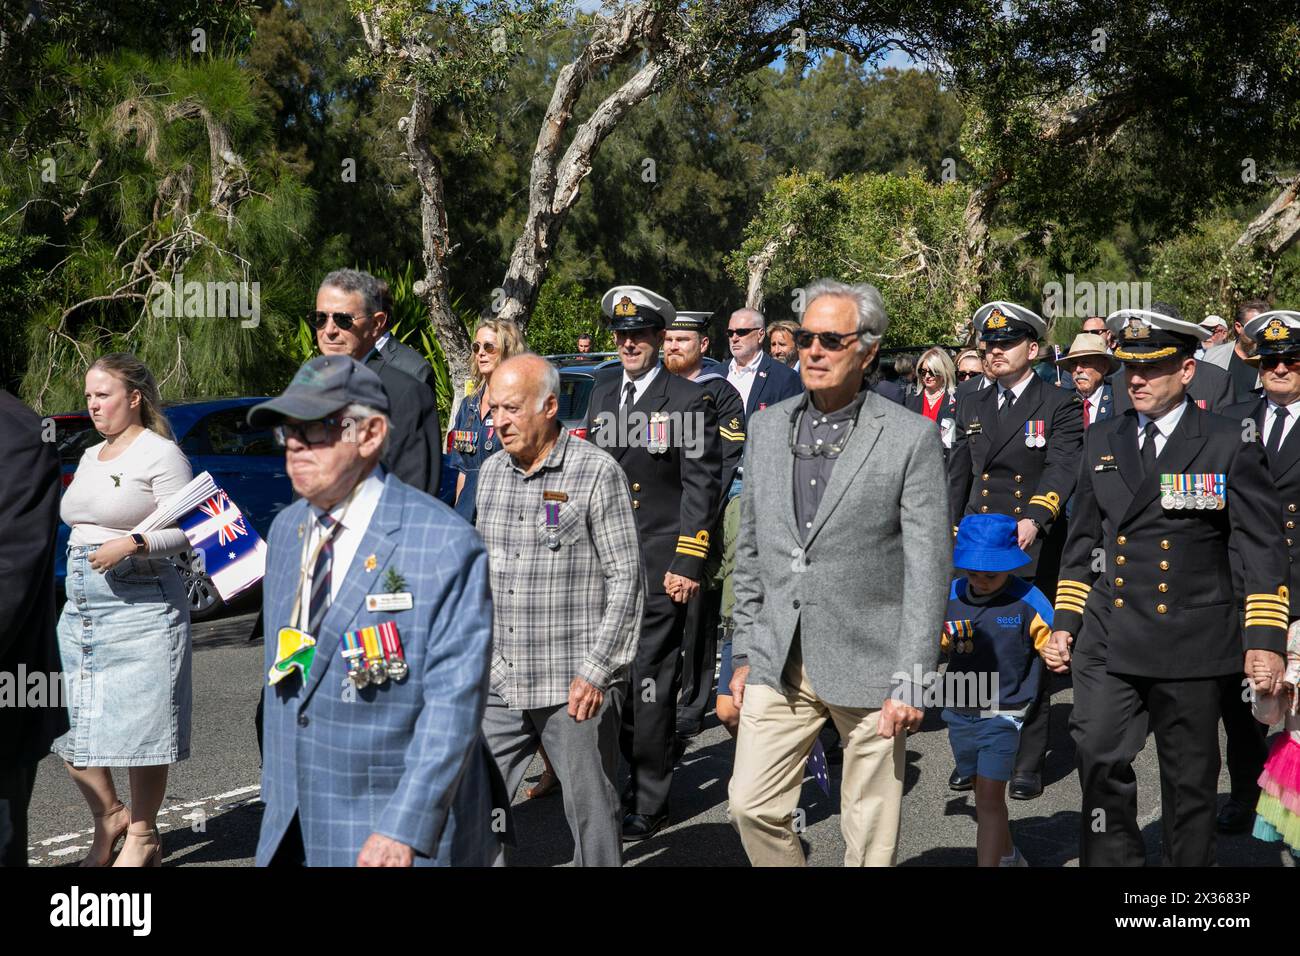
<point>563,312</point>
<point>899,233</point>
<point>1202,273</point>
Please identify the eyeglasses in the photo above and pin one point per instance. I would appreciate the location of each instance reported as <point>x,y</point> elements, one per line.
<point>739,333</point>
<point>831,341</point>
<point>1290,359</point>
<point>489,347</point>
<point>963,376</point>
<point>826,449</point>
<point>318,432</point>
<point>344,320</point>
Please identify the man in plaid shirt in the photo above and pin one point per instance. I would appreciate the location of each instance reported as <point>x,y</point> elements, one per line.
<point>568,592</point>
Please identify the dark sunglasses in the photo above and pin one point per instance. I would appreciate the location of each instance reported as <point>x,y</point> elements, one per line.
<point>1289,359</point>
<point>930,372</point>
<point>318,432</point>
<point>344,320</point>
<point>739,333</point>
<point>963,376</point>
<point>831,341</point>
<point>488,347</point>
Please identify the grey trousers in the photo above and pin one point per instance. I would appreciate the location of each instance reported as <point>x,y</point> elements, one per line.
<point>585,758</point>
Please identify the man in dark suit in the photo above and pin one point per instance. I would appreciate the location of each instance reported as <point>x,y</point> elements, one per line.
<point>29,514</point>
<point>760,379</point>
<point>685,345</point>
<point>1271,421</point>
<point>1016,452</point>
<point>663,431</point>
<point>349,319</point>
<point>1148,595</point>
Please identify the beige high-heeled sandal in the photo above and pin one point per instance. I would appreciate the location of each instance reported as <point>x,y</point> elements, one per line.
<point>155,853</point>
<point>112,844</point>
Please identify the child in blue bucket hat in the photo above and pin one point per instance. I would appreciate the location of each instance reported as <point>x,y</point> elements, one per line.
<point>994,625</point>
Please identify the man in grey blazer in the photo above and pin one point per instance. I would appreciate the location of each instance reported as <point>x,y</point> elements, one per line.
<point>840,590</point>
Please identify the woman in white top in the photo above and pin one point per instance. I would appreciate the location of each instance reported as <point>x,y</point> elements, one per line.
<point>124,634</point>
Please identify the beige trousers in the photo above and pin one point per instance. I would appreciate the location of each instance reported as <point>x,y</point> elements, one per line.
<point>776,735</point>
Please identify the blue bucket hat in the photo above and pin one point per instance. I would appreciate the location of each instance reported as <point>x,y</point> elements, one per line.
<point>988,543</point>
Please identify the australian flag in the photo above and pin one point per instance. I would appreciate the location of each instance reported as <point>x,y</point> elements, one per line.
<point>816,766</point>
<point>234,556</point>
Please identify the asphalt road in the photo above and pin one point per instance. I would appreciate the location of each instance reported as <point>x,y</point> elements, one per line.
<point>211,814</point>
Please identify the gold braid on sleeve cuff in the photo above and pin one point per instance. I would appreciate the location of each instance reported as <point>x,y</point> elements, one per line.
<point>1051,501</point>
<point>1269,610</point>
<point>696,547</point>
<point>1072,596</point>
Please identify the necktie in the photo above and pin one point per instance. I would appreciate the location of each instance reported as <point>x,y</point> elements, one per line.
<point>1004,402</point>
<point>629,394</point>
<point>320,577</point>
<point>1086,418</point>
<point>1274,444</point>
<point>1149,449</point>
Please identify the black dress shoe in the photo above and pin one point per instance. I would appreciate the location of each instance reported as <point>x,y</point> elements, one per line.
<point>639,826</point>
<point>958,782</point>
<point>1235,817</point>
<point>1026,786</point>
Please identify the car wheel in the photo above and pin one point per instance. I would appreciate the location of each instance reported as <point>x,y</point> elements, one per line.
<point>205,602</point>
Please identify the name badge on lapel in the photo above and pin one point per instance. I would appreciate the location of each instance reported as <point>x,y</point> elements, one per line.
<point>974,428</point>
<point>401,601</point>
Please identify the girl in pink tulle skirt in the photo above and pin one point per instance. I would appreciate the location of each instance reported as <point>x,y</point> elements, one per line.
<point>1277,816</point>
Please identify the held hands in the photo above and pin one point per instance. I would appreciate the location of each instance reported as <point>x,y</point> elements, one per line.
<point>1026,533</point>
<point>680,589</point>
<point>108,554</point>
<point>897,717</point>
<point>1056,652</point>
<point>1265,670</point>
<point>584,700</point>
<point>380,850</point>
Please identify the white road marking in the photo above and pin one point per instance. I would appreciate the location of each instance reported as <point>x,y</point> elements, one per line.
<point>221,800</point>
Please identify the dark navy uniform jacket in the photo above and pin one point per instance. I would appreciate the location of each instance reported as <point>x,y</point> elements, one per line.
<point>1155,585</point>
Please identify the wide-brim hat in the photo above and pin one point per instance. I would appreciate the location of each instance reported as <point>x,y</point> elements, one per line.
<point>988,542</point>
<point>1276,332</point>
<point>630,307</point>
<point>321,387</point>
<point>1147,336</point>
<point>1001,321</point>
<point>1085,345</point>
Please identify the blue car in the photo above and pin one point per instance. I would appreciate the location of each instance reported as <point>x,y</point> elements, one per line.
<point>214,435</point>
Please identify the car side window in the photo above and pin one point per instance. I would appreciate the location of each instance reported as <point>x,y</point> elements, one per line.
<point>575,393</point>
<point>229,433</point>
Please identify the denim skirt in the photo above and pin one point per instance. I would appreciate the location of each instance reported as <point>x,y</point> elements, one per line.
<point>124,638</point>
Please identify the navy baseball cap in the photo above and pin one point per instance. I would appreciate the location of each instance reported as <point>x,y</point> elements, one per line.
<point>988,543</point>
<point>321,387</point>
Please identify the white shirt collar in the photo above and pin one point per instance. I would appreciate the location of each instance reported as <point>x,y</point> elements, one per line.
<point>1018,389</point>
<point>747,369</point>
<point>1166,423</point>
<point>382,341</point>
<point>1292,410</point>
<point>639,385</point>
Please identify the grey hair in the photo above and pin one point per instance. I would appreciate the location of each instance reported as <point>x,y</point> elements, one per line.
<point>374,292</point>
<point>872,319</point>
<point>751,313</point>
<point>550,384</point>
<point>359,412</point>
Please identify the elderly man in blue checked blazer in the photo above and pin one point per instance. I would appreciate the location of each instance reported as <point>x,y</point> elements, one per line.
<point>373,757</point>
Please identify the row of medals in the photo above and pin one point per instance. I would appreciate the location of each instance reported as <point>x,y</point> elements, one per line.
<point>1179,502</point>
<point>376,672</point>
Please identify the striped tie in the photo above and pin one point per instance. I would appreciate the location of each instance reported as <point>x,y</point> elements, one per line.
<point>320,577</point>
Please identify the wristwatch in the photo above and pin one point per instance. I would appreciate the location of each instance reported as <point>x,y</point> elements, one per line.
<point>140,543</point>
